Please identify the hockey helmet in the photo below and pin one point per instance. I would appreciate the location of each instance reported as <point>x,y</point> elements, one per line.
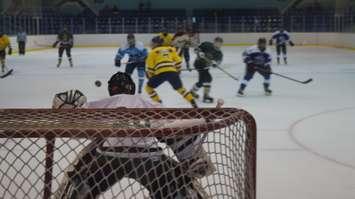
<point>157,41</point>
<point>121,83</point>
<point>131,39</point>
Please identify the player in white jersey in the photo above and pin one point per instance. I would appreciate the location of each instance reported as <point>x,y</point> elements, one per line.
<point>104,162</point>
<point>282,37</point>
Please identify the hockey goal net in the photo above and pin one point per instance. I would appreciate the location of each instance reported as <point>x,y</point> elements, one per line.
<point>48,153</point>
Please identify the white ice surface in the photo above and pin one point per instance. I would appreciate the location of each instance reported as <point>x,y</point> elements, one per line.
<point>306,133</point>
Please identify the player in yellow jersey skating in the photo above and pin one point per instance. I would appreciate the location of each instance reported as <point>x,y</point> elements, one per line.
<point>163,64</point>
<point>4,43</point>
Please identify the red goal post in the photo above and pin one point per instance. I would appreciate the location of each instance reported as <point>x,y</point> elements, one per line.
<point>38,145</point>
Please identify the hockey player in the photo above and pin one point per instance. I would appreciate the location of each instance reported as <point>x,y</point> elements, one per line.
<point>208,54</point>
<point>66,41</point>
<point>282,37</point>
<point>182,41</point>
<point>257,59</point>
<point>4,44</point>
<point>104,162</point>
<point>137,55</point>
<point>164,64</point>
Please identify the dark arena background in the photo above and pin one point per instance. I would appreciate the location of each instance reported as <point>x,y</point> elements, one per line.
<point>239,99</point>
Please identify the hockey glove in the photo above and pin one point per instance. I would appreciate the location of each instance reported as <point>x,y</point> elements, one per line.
<point>55,44</point>
<point>291,43</point>
<point>214,64</point>
<point>201,55</point>
<point>117,63</point>
<point>10,51</point>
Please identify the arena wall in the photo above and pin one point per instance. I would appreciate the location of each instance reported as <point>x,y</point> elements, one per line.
<point>339,40</point>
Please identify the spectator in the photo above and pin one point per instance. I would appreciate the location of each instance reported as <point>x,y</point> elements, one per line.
<point>21,41</point>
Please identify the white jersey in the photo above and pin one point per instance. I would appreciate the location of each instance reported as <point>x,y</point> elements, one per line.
<point>144,147</point>
<point>185,41</point>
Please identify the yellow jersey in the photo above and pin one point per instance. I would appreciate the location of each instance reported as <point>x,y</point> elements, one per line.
<point>4,42</point>
<point>163,59</point>
<point>168,38</point>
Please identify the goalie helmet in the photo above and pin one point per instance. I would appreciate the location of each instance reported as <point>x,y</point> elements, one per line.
<point>69,99</point>
<point>121,83</point>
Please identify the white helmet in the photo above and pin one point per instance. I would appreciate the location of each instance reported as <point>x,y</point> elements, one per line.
<point>69,99</point>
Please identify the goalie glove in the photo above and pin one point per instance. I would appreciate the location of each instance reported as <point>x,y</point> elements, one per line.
<point>69,99</point>
<point>199,166</point>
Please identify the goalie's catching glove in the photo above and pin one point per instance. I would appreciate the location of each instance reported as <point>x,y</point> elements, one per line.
<point>199,166</point>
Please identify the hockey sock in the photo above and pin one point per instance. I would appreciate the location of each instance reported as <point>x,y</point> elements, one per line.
<point>206,90</point>
<point>242,86</point>
<point>59,61</point>
<point>266,86</point>
<point>2,65</point>
<point>140,85</point>
<point>152,94</point>
<point>195,88</point>
<point>70,61</point>
<point>186,94</point>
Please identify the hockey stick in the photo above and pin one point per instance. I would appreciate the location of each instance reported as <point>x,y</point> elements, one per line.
<point>292,79</point>
<point>285,77</point>
<point>227,73</point>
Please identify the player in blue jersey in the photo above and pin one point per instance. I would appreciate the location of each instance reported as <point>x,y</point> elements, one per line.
<point>257,59</point>
<point>137,55</point>
<point>282,37</point>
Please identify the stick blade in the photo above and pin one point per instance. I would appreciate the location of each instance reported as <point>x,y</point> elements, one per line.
<point>308,81</point>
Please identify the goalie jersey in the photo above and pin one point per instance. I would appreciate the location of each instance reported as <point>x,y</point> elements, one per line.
<point>281,37</point>
<point>135,147</point>
<point>128,147</point>
<point>206,53</point>
<point>65,39</point>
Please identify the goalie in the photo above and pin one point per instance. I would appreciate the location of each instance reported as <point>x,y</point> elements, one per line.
<point>105,162</point>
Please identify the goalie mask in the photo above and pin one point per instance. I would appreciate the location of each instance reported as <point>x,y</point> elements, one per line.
<point>69,99</point>
<point>121,83</point>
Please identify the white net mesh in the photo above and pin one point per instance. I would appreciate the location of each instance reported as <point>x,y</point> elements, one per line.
<point>127,153</point>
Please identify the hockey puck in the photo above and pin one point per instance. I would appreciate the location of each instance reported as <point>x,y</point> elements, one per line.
<point>97,83</point>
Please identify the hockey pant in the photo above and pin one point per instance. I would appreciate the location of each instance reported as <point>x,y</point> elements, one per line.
<point>174,79</point>
<point>249,74</point>
<point>281,49</point>
<point>141,73</point>
<point>94,173</point>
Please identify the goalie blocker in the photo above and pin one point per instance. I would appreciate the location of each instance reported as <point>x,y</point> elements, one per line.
<point>104,162</point>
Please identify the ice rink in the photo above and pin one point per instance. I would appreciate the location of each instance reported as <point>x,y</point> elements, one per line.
<point>306,133</point>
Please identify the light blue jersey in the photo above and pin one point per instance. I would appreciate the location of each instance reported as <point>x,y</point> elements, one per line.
<point>136,53</point>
